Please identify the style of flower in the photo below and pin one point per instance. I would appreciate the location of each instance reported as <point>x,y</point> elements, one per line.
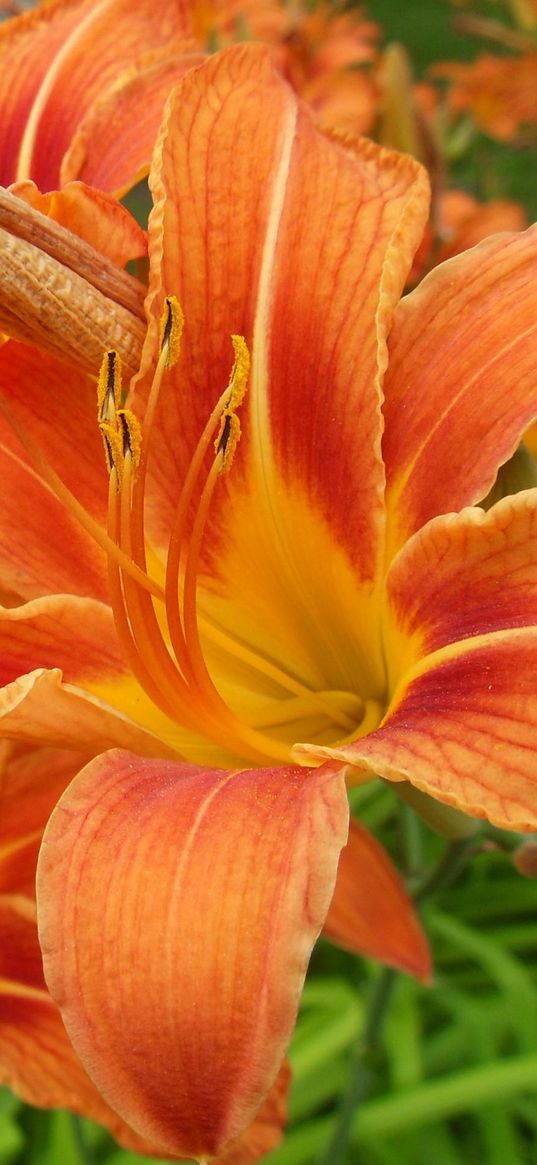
<point>285,608</point>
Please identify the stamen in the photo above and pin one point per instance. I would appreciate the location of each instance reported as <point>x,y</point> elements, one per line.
<point>131,435</point>
<point>52,481</point>
<point>133,656</point>
<point>231,398</point>
<point>227,439</point>
<point>136,622</point>
<point>171,330</point>
<point>238,382</point>
<point>109,387</point>
<point>113,448</point>
<point>137,626</point>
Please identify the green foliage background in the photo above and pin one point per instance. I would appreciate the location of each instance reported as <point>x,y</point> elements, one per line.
<point>428,29</point>
<point>450,1076</point>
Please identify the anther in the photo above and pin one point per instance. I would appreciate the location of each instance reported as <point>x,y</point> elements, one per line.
<point>171,330</point>
<point>109,387</point>
<point>131,434</point>
<point>238,381</point>
<point>228,438</point>
<point>113,448</point>
<point>229,432</point>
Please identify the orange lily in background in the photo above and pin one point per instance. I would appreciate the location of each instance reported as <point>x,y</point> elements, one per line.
<point>96,82</point>
<point>306,582</point>
<point>497,92</point>
<point>63,63</point>
<point>83,84</point>
<point>411,119</point>
<point>326,51</point>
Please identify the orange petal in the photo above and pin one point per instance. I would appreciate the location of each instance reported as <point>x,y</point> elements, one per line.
<point>77,636</point>
<point>65,631</point>
<point>44,548</point>
<point>462,728</point>
<point>182,904</point>
<point>371,913</point>
<point>112,146</point>
<point>53,64</point>
<point>265,1132</point>
<point>31,781</point>
<point>463,575</point>
<point>304,255</point>
<point>93,216</point>
<point>39,709</point>
<point>462,380</point>
<point>36,1059</point>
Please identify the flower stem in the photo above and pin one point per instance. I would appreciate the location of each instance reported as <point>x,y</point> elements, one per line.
<point>84,1151</point>
<point>446,870</point>
<point>360,1075</point>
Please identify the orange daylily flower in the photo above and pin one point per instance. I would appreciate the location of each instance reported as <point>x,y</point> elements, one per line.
<point>409,121</point>
<point>63,63</point>
<point>326,53</point>
<point>498,92</point>
<point>319,589</point>
<point>83,84</point>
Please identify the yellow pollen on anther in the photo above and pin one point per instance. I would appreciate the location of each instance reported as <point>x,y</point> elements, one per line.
<point>171,330</point>
<point>131,433</point>
<point>238,381</point>
<point>113,447</point>
<point>109,386</point>
<point>120,428</point>
<point>228,438</point>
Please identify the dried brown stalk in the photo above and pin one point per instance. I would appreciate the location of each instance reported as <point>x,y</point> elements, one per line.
<point>59,293</point>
